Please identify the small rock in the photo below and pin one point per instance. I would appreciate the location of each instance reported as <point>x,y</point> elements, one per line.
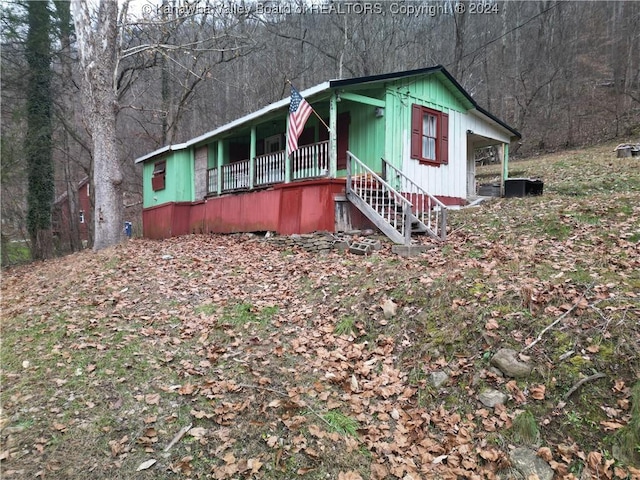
<point>439,378</point>
<point>529,464</point>
<point>167,257</point>
<point>507,361</point>
<point>341,246</point>
<point>491,398</point>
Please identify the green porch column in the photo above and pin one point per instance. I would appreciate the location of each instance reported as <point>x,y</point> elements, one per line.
<point>287,158</point>
<point>333,135</point>
<point>220,162</point>
<point>252,157</point>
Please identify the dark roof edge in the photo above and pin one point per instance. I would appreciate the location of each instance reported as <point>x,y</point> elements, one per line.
<point>423,71</point>
<point>385,76</point>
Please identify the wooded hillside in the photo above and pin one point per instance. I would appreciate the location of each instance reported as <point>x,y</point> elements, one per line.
<point>562,73</point>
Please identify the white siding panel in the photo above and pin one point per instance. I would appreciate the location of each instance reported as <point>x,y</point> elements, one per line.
<point>482,126</point>
<point>449,180</point>
<point>446,180</point>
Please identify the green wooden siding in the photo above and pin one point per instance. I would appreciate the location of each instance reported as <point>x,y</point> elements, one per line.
<point>428,91</point>
<point>179,179</point>
<point>366,135</point>
<point>370,138</point>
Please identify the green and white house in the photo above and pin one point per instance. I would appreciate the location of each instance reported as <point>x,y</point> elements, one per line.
<point>399,149</point>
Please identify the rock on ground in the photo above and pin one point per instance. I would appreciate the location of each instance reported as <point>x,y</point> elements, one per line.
<point>491,398</point>
<point>528,463</point>
<point>506,360</point>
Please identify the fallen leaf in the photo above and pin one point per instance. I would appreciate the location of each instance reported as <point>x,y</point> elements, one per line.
<point>492,324</point>
<point>389,308</point>
<point>545,454</point>
<point>538,392</point>
<point>351,475</point>
<point>198,432</point>
<point>354,384</point>
<point>146,465</point>
<point>594,459</point>
<point>186,389</point>
<point>152,398</point>
<point>611,425</point>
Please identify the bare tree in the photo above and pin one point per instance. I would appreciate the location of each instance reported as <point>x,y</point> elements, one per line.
<point>98,47</point>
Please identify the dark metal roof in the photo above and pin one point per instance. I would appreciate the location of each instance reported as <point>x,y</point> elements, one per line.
<point>347,82</point>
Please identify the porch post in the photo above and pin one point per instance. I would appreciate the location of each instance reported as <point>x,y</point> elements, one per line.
<point>333,135</point>
<point>252,157</point>
<point>504,165</point>
<point>287,158</point>
<point>220,163</point>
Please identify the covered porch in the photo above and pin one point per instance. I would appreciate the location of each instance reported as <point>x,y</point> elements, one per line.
<point>310,161</point>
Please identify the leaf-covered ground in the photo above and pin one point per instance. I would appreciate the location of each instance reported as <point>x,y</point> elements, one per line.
<point>281,364</point>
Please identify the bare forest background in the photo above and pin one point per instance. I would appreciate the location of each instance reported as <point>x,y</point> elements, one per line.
<point>564,74</point>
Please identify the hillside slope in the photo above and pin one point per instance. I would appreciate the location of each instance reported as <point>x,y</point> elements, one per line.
<point>284,364</point>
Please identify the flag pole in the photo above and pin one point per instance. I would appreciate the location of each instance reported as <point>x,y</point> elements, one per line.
<point>313,110</point>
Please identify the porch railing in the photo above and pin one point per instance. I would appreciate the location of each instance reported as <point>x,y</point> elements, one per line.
<point>212,180</point>
<point>426,208</point>
<point>269,168</point>
<point>235,176</point>
<point>387,208</point>
<point>309,161</point>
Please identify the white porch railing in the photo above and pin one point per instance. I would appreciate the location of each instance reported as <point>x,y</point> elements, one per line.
<point>235,176</point>
<point>310,161</point>
<point>426,208</point>
<point>212,180</point>
<point>270,168</point>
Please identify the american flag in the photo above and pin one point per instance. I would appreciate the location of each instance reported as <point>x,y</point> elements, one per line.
<point>299,111</point>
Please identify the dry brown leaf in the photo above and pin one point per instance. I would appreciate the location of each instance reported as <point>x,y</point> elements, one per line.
<point>304,471</point>
<point>594,459</point>
<point>186,389</point>
<point>492,324</point>
<point>545,454</point>
<point>197,432</point>
<point>351,475</point>
<point>538,392</point>
<point>379,471</point>
<point>152,398</point>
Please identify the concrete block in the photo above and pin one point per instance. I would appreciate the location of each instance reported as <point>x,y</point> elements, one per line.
<point>360,248</point>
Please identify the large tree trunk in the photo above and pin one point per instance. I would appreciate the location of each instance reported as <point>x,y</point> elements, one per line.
<point>98,48</point>
<point>38,146</point>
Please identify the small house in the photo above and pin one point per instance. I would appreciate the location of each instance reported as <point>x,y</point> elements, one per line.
<point>392,151</point>
<point>71,215</point>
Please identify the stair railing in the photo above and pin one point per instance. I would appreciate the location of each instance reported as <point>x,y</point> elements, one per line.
<point>367,189</point>
<point>427,208</point>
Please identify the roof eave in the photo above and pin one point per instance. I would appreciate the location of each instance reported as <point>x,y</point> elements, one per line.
<point>308,94</point>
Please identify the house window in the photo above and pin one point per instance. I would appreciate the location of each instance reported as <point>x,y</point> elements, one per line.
<point>81,216</point>
<point>159,172</point>
<point>429,136</point>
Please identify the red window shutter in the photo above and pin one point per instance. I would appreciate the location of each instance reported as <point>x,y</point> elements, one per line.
<point>416,132</point>
<point>444,138</point>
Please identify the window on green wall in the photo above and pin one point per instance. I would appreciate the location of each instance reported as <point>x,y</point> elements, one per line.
<point>159,173</point>
<point>429,135</point>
